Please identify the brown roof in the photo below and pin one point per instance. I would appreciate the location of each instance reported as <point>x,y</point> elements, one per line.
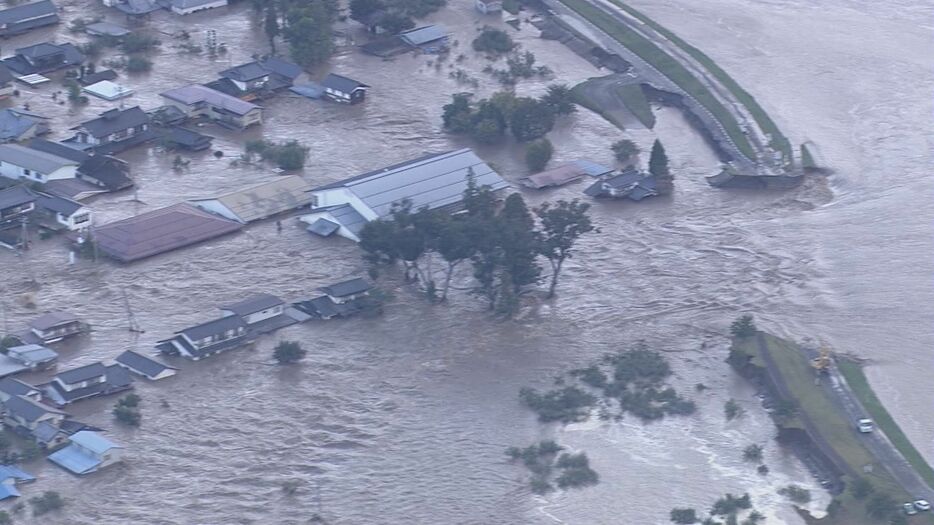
<point>160,231</point>
<point>555,177</point>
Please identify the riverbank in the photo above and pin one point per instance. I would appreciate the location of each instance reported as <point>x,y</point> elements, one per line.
<point>811,422</point>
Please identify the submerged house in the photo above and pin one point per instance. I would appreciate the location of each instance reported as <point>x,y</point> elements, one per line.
<point>183,138</point>
<point>32,356</point>
<point>24,415</point>
<point>114,131</point>
<point>43,58</point>
<point>260,201</point>
<point>186,7</point>
<point>61,213</point>
<point>144,366</point>
<point>430,39</point>
<point>11,387</point>
<point>16,202</point>
<point>19,124</point>
<point>87,452</point>
<point>628,184</point>
<point>262,313</point>
<point>343,89</point>
<point>555,177</point>
<point>488,6</point>
<point>339,300</point>
<point>19,162</point>
<point>201,101</point>
<point>55,326</point>
<point>95,379</point>
<point>433,181</point>
<point>257,79</point>
<point>95,174</point>
<point>159,231</point>
<point>22,18</point>
<point>207,339</point>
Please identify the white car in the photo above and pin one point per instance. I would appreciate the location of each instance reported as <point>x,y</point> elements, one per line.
<point>922,504</point>
<point>909,509</point>
<point>864,425</point>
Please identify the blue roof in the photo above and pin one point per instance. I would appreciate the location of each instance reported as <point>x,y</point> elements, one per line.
<point>8,491</point>
<point>10,471</point>
<point>73,459</point>
<point>592,168</point>
<point>424,35</point>
<point>92,441</point>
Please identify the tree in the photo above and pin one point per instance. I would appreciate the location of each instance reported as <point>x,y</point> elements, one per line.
<point>138,64</point>
<point>732,410</point>
<point>457,116</point>
<point>683,516</point>
<point>361,10</point>
<point>624,150</point>
<point>796,493</point>
<point>47,502</point>
<point>288,352</point>
<point>560,99</point>
<point>271,26</point>
<point>395,23</point>
<point>743,327</point>
<point>538,153</point>
<point>861,488</point>
<point>562,225</point>
<point>754,518</point>
<point>658,167</point>
<point>881,506</point>
<point>5,518</point>
<point>531,119</point>
<point>127,415</point>
<point>753,453</point>
<point>455,246</point>
<point>130,400</point>
<point>520,242</point>
<point>309,34</point>
<point>493,41</point>
<point>488,125</point>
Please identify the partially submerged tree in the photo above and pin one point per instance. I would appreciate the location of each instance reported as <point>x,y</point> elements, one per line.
<point>560,99</point>
<point>743,327</point>
<point>658,167</point>
<point>538,153</point>
<point>624,150</point>
<point>288,352</point>
<point>563,223</point>
<point>493,41</point>
<point>271,26</point>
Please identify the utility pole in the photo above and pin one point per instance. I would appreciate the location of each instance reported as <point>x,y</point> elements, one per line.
<point>131,317</point>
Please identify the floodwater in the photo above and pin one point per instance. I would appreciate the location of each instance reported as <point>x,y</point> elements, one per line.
<point>404,418</point>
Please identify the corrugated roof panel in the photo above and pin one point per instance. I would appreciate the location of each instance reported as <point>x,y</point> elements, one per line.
<point>268,198</point>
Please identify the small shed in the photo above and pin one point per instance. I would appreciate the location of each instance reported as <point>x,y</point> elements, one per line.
<point>343,89</point>
<point>108,90</point>
<point>144,366</point>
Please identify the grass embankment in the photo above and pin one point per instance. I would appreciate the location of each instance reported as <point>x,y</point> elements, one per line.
<point>634,100</point>
<point>833,426</point>
<point>666,65</point>
<point>855,377</point>
<point>583,97</point>
<point>778,140</point>
<point>807,160</point>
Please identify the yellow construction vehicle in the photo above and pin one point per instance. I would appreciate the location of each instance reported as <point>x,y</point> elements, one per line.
<point>821,363</point>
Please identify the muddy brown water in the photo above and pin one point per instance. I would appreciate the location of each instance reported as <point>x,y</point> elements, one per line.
<point>404,418</point>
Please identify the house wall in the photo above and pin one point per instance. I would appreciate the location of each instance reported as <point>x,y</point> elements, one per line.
<point>79,220</point>
<point>58,332</point>
<point>16,211</point>
<point>338,196</point>
<point>13,171</point>
<point>188,11</point>
<point>83,384</point>
<point>269,313</point>
<point>348,298</point>
<point>114,455</point>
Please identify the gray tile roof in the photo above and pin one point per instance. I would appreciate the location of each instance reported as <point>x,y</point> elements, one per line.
<point>19,13</point>
<point>282,67</point>
<point>432,181</point>
<point>82,373</point>
<point>15,387</point>
<point>27,408</point>
<point>346,288</point>
<point>54,203</point>
<point>160,231</point>
<point>52,319</point>
<point>110,172</point>
<point>142,364</point>
<point>58,149</point>
<point>16,196</point>
<point>217,326</point>
<point>253,304</point>
<point>195,93</point>
<point>342,83</point>
<point>245,72</point>
<point>15,122</point>
<point>42,49</point>
<point>32,159</point>
<point>115,120</point>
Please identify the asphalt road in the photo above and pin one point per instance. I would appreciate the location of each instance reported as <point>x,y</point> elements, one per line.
<point>877,442</point>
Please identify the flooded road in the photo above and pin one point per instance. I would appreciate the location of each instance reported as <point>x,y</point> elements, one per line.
<point>404,418</point>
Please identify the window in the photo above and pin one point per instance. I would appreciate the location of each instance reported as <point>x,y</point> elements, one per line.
<point>84,217</point>
<point>27,172</point>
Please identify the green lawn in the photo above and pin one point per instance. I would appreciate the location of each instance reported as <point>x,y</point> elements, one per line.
<point>807,160</point>
<point>833,425</point>
<point>855,377</point>
<point>635,101</point>
<point>668,66</point>
<point>779,141</point>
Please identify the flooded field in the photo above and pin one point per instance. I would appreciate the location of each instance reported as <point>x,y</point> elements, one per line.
<point>404,418</point>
